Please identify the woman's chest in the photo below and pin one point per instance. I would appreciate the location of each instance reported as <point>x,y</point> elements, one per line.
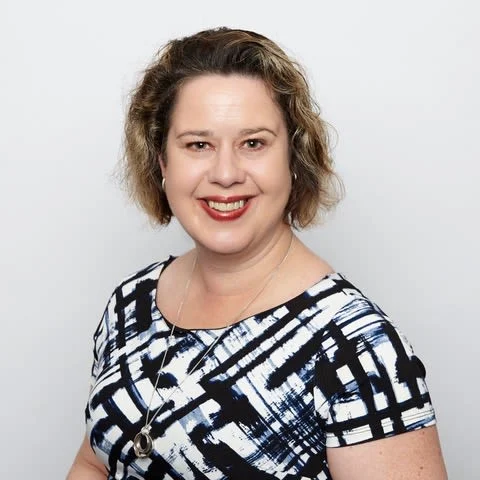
<point>246,406</point>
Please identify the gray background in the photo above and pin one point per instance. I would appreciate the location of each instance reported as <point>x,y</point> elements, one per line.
<point>398,80</point>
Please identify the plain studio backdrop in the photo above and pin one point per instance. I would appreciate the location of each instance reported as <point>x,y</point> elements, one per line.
<point>399,81</point>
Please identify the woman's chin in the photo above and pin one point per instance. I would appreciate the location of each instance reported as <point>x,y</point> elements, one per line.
<point>223,246</point>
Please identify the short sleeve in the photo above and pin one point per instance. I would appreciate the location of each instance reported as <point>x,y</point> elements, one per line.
<point>368,382</point>
<point>100,342</point>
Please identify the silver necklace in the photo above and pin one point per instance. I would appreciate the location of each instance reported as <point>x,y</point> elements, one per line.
<point>143,441</point>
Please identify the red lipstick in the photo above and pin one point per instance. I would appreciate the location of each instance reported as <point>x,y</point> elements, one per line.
<point>224,216</point>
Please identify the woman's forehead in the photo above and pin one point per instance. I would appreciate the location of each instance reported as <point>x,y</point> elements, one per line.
<point>220,100</point>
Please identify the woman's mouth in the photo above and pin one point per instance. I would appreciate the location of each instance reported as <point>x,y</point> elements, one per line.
<point>225,209</point>
<point>226,206</point>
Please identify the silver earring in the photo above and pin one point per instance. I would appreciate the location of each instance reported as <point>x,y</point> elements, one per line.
<point>294,177</point>
<point>163,183</point>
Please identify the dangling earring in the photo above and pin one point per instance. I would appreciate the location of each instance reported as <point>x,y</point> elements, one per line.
<point>163,183</point>
<point>294,177</point>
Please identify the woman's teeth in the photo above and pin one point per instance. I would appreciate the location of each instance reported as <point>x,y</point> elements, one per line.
<point>226,207</point>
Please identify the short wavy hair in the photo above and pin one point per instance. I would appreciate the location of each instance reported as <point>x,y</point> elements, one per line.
<point>315,186</point>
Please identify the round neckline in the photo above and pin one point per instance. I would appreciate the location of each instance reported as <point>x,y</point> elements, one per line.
<point>166,263</point>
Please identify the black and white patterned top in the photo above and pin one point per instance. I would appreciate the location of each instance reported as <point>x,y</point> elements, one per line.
<point>325,369</point>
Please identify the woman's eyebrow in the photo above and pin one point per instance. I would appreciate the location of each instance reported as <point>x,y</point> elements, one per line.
<point>209,133</point>
<point>196,133</point>
<point>252,131</point>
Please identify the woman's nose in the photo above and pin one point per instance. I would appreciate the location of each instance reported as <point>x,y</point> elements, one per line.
<point>226,168</point>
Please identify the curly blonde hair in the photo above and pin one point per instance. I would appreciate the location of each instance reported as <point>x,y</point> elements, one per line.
<point>315,188</point>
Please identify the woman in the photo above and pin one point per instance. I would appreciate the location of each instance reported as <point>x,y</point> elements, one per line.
<point>248,356</point>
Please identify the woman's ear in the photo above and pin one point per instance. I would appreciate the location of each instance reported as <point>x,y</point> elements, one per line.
<point>163,167</point>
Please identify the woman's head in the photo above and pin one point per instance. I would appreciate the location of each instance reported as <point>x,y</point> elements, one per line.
<point>226,51</point>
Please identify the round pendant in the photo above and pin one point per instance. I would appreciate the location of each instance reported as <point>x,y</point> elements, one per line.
<point>143,443</point>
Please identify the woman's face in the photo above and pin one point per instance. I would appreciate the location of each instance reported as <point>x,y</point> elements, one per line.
<point>227,163</point>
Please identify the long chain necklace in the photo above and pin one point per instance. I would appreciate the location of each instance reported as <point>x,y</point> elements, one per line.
<point>143,441</point>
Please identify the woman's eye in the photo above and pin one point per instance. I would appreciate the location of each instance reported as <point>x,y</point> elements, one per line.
<point>254,144</point>
<point>197,146</point>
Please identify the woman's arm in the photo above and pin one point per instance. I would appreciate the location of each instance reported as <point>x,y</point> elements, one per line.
<point>86,465</point>
<point>413,455</point>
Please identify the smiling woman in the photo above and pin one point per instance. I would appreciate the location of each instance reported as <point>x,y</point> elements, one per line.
<point>236,170</point>
<point>248,356</point>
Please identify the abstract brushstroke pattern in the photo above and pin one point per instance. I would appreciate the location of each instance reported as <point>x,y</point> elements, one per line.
<point>325,369</point>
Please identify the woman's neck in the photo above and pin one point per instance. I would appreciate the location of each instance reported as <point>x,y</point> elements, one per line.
<point>237,275</point>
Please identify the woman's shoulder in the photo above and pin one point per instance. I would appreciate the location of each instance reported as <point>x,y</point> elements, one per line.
<point>331,295</point>
<point>344,314</point>
<point>136,285</point>
<point>133,294</point>
<point>144,275</point>
<point>356,329</point>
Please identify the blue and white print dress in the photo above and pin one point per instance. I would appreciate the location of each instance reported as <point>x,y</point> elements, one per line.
<point>325,369</point>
